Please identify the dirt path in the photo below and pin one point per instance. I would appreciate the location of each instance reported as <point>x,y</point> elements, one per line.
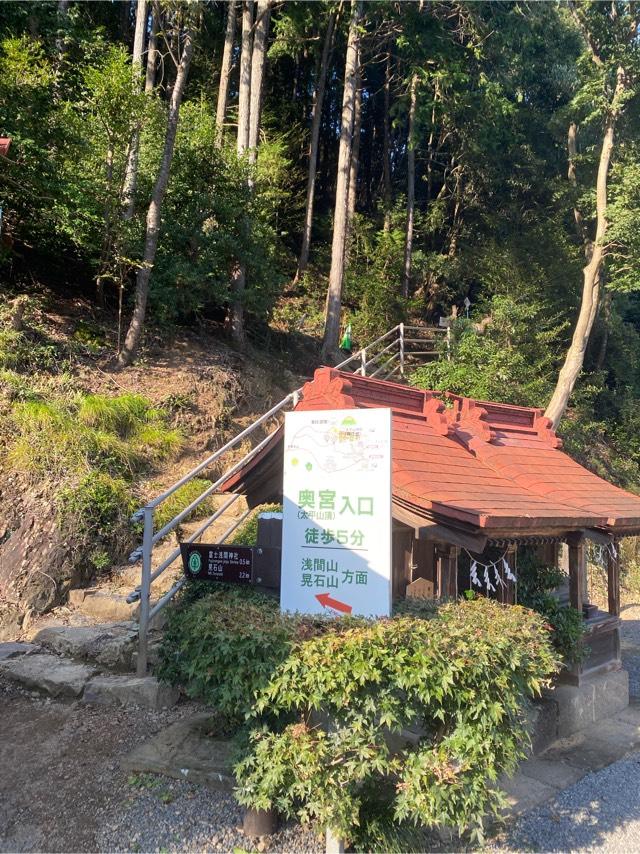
<point>60,771</point>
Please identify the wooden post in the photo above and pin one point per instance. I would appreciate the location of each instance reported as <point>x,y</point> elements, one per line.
<point>613,579</point>
<point>576,569</point>
<point>447,571</point>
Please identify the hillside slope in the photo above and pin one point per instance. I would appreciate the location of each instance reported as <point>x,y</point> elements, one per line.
<point>82,445</point>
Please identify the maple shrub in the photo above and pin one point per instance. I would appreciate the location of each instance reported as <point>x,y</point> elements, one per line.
<point>329,738</point>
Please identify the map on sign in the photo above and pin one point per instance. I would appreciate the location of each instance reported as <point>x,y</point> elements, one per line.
<point>336,547</point>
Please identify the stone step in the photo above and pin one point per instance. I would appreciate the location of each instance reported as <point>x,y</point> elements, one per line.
<point>186,750</point>
<point>145,691</point>
<point>62,677</point>
<point>109,644</point>
<point>102,604</point>
<point>59,677</point>
<point>11,649</point>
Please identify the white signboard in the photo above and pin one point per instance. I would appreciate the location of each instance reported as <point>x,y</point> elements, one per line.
<point>336,529</point>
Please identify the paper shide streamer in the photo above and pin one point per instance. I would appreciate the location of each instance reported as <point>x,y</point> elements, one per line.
<point>499,568</point>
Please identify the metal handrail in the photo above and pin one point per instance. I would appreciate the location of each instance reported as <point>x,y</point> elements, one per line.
<point>359,361</point>
<point>369,346</point>
<point>217,454</point>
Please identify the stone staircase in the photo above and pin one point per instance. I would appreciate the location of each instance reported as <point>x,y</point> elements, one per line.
<point>89,663</point>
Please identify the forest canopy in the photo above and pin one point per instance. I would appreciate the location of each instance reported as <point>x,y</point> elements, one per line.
<point>301,166</point>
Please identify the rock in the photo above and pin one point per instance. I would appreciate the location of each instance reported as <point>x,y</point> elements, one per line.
<point>106,606</point>
<point>186,751</point>
<point>144,691</point>
<point>110,644</point>
<point>57,676</point>
<point>76,597</point>
<point>13,648</point>
<point>10,621</point>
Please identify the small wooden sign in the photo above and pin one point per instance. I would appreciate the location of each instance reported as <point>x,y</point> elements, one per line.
<point>257,565</point>
<point>421,588</point>
<point>217,562</point>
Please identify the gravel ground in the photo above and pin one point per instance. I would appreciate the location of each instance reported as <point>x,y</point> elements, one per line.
<point>169,815</point>
<point>599,813</point>
<point>62,788</point>
<point>630,646</point>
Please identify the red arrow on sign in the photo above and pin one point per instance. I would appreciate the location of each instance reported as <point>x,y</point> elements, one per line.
<point>327,602</point>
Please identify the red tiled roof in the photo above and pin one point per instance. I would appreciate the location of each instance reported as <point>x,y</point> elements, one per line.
<point>491,467</point>
<point>5,142</point>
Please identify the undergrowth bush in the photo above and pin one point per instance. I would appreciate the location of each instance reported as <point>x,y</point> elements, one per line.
<point>536,581</point>
<point>325,702</point>
<point>92,447</point>
<point>120,435</point>
<point>320,747</point>
<point>182,498</point>
<point>96,512</point>
<point>224,646</point>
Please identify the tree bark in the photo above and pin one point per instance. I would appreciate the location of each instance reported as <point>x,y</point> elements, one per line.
<point>244,92</point>
<point>258,59</point>
<point>239,273</point>
<point>316,123</point>
<point>131,172</point>
<point>386,145</point>
<point>411,187</point>
<point>355,164</point>
<point>336,275</point>
<point>134,333</point>
<point>225,72</point>
<point>591,274</point>
<point>62,14</point>
<point>152,50</point>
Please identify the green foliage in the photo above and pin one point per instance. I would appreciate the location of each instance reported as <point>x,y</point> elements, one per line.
<point>462,676</point>
<point>247,533</point>
<point>95,511</point>
<point>120,435</point>
<point>536,581</point>
<point>181,499</point>
<point>225,646</point>
<point>497,363</point>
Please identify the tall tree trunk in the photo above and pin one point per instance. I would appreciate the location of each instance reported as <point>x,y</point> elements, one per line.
<point>591,274</point>
<point>316,122</point>
<point>244,91</point>
<point>131,172</point>
<point>238,272</point>
<point>355,164</point>
<point>225,72</point>
<point>336,275</point>
<point>134,333</point>
<point>62,15</point>
<point>152,50</point>
<point>411,187</point>
<point>258,59</point>
<point>386,144</point>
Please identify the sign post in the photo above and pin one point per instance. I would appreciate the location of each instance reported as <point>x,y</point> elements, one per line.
<point>336,535</point>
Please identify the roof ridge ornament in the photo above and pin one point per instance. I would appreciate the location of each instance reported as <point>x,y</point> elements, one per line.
<point>436,415</point>
<point>328,389</point>
<point>470,426</point>
<point>543,426</point>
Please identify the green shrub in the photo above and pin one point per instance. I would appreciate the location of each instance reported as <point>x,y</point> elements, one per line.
<point>225,645</point>
<point>535,583</point>
<point>96,512</point>
<point>321,748</point>
<point>247,533</point>
<point>182,498</point>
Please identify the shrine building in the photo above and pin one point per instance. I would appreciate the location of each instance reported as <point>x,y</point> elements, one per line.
<point>472,480</point>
